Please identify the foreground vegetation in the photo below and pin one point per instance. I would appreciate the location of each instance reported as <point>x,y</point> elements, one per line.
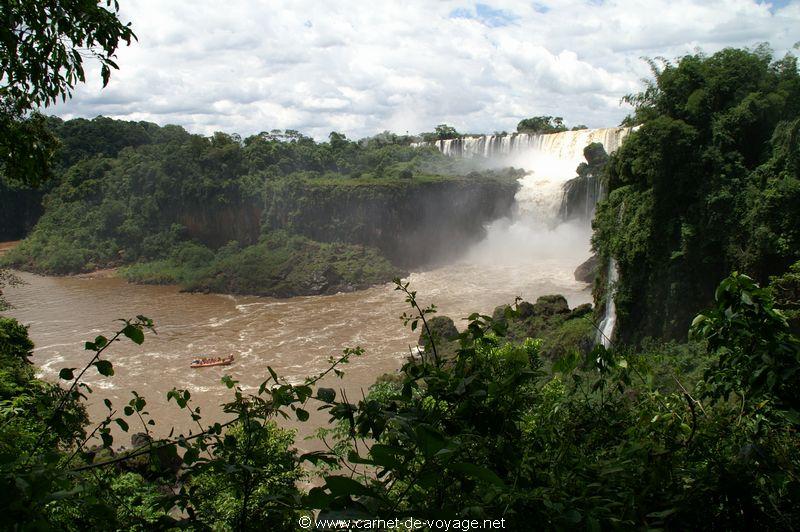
<point>490,429</point>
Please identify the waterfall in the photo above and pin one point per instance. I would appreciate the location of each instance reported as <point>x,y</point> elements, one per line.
<point>606,327</point>
<point>549,159</point>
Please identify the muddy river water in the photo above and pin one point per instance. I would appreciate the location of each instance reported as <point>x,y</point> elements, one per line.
<point>295,336</point>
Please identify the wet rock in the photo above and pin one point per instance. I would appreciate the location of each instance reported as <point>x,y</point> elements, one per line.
<point>587,271</point>
<point>139,439</point>
<point>580,311</point>
<point>525,309</point>
<point>551,305</point>
<point>499,313</point>
<point>442,328</point>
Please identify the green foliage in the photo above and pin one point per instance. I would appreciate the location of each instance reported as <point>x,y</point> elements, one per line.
<point>709,183</point>
<point>42,48</point>
<point>543,124</point>
<point>135,193</point>
<point>441,132</point>
<point>279,265</point>
<point>602,440</point>
<point>606,441</point>
<point>250,473</point>
<point>758,357</point>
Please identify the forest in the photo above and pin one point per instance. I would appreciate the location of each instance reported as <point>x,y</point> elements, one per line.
<point>688,420</point>
<point>176,208</point>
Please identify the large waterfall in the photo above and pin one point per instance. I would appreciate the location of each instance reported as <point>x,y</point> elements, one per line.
<point>537,228</point>
<point>550,160</point>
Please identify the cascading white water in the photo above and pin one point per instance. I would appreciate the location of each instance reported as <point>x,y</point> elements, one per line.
<point>606,327</point>
<point>550,160</point>
<point>536,232</point>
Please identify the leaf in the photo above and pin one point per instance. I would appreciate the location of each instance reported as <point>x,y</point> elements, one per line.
<point>122,424</point>
<point>572,516</point>
<point>316,498</point>
<point>341,486</point>
<point>384,456</point>
<point>104,367</point>
<point>303,392</point>
<point>302,415</point>
<point>134,333</point>
<point>190,456</point>
<point>477,472</point>
<point>430,441</point>
<point>319,456</point>
<point>662,513</point>
<point>66,374</point>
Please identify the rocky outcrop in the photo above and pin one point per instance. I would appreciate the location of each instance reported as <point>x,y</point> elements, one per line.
<point>587,271</point>
<point>442,328</point>
<point>550,319</point>
<point>582,193</point>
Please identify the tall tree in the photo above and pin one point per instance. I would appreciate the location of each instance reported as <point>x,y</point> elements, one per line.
<point>43,45</point>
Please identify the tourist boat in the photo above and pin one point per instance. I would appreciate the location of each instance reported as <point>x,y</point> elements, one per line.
<point>207,362</point>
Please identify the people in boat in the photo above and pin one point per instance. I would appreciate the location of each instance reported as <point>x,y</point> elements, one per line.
<point>212,360</point>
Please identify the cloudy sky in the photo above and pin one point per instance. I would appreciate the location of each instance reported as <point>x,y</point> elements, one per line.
<point>361,67</point>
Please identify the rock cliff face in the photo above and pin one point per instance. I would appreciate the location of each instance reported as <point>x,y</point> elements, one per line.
<point>412,222</point>
<point>582,193</point>
<point>215,227</point>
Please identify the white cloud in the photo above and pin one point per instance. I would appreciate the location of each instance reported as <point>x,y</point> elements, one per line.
<point>362,67</point>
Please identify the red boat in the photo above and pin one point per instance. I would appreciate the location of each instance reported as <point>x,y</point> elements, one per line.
<point>207,362</point>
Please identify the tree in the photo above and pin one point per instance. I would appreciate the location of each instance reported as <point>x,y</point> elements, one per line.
<point>541,124</point>
<point>443,132</point>
<point>42,48</point>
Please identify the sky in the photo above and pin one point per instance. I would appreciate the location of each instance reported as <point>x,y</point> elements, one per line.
<point>362,67</point>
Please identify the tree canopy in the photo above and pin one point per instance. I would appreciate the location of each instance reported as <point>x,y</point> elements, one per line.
<point>541,124</point>
<point>709,183</point>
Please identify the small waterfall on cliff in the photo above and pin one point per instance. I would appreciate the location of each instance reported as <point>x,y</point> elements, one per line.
<point>606,327</point>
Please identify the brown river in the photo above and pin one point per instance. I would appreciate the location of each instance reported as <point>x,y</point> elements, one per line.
<point>294,336</point>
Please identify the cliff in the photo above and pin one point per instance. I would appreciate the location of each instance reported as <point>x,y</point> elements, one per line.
<point>582,193</point>
<point>412,222</point>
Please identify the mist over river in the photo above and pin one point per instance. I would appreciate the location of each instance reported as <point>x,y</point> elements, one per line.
<point>295,336</point>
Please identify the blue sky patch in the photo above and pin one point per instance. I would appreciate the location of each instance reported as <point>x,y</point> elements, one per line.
<point>486,15</point>
<point>776,4</point>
